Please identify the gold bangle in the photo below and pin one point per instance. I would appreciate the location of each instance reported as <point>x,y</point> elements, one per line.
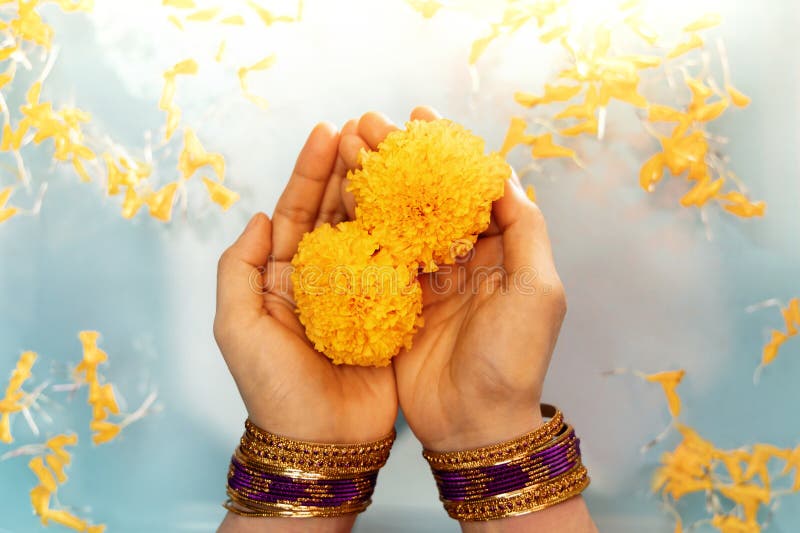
<point>500,452</point>
<point>529,500</point>
<point>524,475</point>
<point>274,476</point>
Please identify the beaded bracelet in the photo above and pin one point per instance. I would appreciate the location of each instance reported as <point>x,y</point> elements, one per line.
<point>273,476</point>
<point>526,474</point>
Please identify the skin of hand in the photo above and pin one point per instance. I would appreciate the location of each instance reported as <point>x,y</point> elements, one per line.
<point>475,372</point>
<point>288,387</point>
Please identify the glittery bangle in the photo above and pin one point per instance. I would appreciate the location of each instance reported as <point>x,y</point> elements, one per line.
<point>527,474</point>
<point>503,451</point>
<point>273,476</point>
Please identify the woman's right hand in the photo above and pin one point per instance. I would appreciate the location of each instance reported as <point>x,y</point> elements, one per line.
<point>475,373</point>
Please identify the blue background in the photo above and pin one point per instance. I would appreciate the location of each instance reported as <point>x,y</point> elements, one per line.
<point>648,289</point>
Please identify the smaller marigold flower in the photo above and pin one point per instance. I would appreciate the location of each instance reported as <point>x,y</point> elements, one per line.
<point>358,306</point>
<point>427,192</point>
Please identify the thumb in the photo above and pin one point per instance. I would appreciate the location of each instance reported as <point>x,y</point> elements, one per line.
<point>239,273</point>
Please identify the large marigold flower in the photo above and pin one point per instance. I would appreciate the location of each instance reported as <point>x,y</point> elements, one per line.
<point>358,306</point>
<point>427,192</point>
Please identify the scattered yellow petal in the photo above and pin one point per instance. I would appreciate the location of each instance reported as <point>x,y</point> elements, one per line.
<point>750,497</point>
<point>738,98</point>
<point>710,112</point>
<point>694,42</point>
<point>266,15</point>
<point>628,4</point>
<point>543,147</point>
<point>14,395</point>
<point>585,127</point>
<point>642,29</point>
<point>652,172</point>
<point>6,212</point>
<point>530,192</point>
<point>57,466</point>
<point>427,8</point>
<point>44,475</point>
<point>179,4</point>
<point>160,203</point>
<point>554,33</point>
<point>204,15</point>
<point>738,204</point>
<point>131,203</point>
<point>663,113</point>
<point>175,22</point>
<point>233,20</point>
<point>669,382</point>
<point>194,156</point>
<point>734,524</point>
<point>40,499</point>
<point>243,72</point>
<point>104,431</point>
<point>220,194</point>
<point>65,519</point>
<point>220,51</point>
<point>479,45</point>
<point>705,22</point>
<point>5,78</point>
<point>516,135</point>
<point>702,192</point>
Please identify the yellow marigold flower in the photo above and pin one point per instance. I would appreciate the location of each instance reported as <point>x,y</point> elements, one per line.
<point>357,305</point>
<point>427,192</point>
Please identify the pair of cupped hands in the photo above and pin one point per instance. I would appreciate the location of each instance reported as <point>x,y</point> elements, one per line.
<point>475,372</point>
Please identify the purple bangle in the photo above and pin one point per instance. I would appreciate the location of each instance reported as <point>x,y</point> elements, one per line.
<point>531,475</point>
<point>272,476</point>
<point>532,468</point>
<point>274,488</point>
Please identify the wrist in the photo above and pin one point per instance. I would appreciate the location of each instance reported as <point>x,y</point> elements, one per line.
<point>272,476</point>
<point>486,430</point>
<point>329,424</point>
<point>535,471</point>
<point>245,524</point>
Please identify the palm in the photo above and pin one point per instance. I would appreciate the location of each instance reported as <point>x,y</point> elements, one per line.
<point>454,382</point>
<point>355,400</point>
<point>288,387</point>
<point>453,370</point>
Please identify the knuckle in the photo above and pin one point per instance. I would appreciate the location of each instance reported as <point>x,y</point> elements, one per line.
<point>221,330</point>
<point>534,214</point>
<point>559,299</point>
<point>225,259</point>
<point>297,214</point>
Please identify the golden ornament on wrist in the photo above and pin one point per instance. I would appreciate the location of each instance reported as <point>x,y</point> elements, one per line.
<point>274,476</point>
<point>520,476</point>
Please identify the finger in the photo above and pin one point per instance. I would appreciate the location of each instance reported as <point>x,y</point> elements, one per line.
<point>373,127</point>
<point>238,277</point>
<point>525,240</point>
<point>299,204</point>
<point>332,209</point>
<point>493,228</point>
<point>350,147</point>
<point>425,113</point>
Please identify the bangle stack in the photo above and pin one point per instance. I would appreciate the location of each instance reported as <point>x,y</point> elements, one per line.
<point>273,476</point>
<point>527,474</point>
